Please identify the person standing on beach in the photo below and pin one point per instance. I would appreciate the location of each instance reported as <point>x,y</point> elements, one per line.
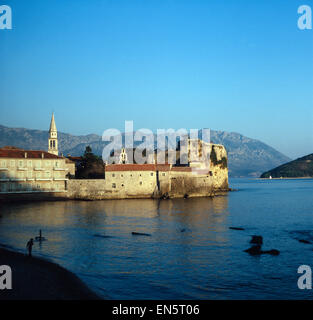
<point>29,246</point>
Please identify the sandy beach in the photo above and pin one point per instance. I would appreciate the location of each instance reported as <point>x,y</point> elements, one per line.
<point>38,279</point>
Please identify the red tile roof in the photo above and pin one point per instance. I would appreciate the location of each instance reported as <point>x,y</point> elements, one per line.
<point>31,154</point>
<point>182,169</point>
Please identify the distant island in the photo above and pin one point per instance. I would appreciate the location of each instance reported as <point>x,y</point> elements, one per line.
<point>299,168</point>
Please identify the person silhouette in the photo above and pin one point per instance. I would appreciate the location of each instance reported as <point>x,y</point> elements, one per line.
<point>29,246</point>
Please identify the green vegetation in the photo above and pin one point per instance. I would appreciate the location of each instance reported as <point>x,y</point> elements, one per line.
<point>91,166</point>
<point>223,162</point>
<point>302,167</point>
<point>213,158</point>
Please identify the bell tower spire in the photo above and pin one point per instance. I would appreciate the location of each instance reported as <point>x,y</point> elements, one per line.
<point>53,138</point>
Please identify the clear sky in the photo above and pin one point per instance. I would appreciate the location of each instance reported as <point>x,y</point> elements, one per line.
<point>236,65</point>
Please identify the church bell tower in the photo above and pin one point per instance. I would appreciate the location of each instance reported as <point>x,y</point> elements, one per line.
<point>53,138</point>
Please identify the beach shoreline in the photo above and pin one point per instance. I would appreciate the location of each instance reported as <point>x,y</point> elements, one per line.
<point>34,278</point>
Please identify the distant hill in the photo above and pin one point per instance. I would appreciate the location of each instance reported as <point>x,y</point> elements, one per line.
<point>246,157</point>
<point>302,167</point>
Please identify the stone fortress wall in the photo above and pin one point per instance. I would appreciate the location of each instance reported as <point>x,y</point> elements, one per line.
<point>200,170</point>
<point>126,181</point>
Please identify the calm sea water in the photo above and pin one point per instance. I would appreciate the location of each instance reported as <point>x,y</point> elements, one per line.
<point>191,253</point>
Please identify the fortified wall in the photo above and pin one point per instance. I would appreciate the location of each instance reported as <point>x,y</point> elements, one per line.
<point>126,181</point>
<point>46,178</point>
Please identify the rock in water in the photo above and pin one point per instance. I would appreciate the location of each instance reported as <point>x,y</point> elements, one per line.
<point>254,250</point>
<point>273,252</point>
<point>101,236</point>
<point>257,240</point>
<point>304,241</point>
<point>141,234</point>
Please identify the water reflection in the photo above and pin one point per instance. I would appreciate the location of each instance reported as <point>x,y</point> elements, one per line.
<point>74,230</point>
<point>191,252</point>
<point>182,221</point>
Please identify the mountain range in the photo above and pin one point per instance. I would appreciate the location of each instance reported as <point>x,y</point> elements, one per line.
<point>246,157</point>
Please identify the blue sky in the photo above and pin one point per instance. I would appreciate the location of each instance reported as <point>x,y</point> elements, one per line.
<point>240,66</point>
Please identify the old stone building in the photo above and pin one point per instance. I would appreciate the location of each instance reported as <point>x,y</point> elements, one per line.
<point>33,171</point>
<point>53,138</point>
<point>126,181</point>
<point>130,155</point>
<point>200,169</point>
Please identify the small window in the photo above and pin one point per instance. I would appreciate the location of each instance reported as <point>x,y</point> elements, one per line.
<point>57,164</point>
<point>12,163</point>
<point>113,175</point>
<point>121,175</point>
<point>122,185</point>
<point>163,174</point>
<point>140,183</point>
<point>3,187</point>
<point>20,163</point>
<point>3,164</point>
<point>29,163</point>
<point>113,185</point>
<point>151,174</point>
<point>211,173</point>
<point>38,164</point>
<point>47,174</point>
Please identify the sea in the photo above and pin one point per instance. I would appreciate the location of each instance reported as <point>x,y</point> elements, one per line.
<point>187,249</point>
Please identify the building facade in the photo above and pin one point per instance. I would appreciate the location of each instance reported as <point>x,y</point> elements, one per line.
<point>203,172</point>
<point>31,171</point>
<point>129,181</point>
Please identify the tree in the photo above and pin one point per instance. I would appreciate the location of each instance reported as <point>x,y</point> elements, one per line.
<point>91,166</point>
